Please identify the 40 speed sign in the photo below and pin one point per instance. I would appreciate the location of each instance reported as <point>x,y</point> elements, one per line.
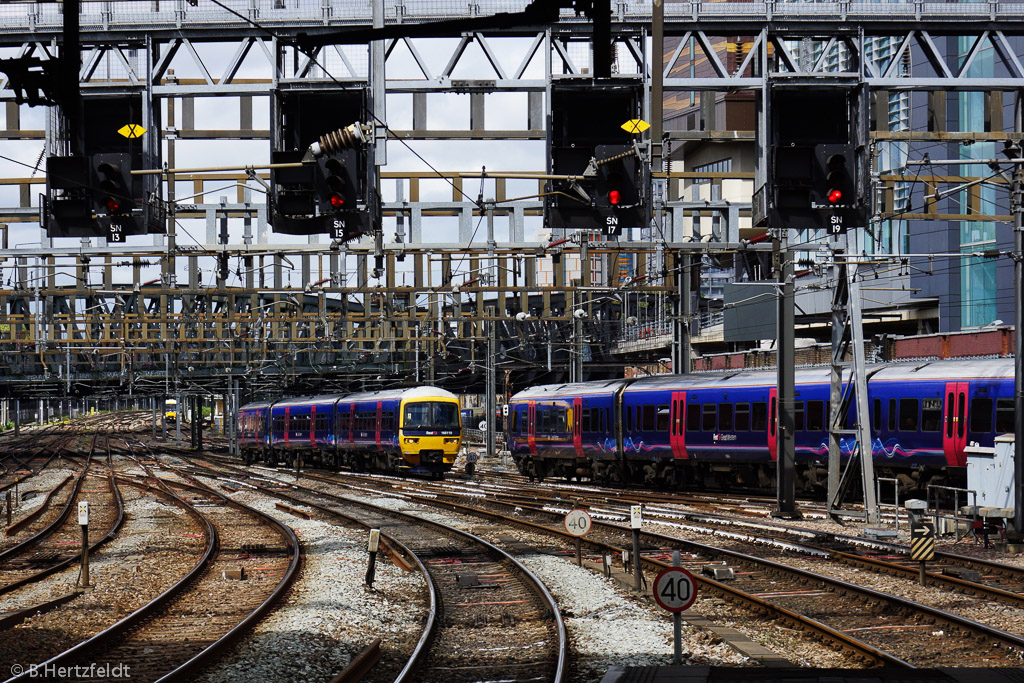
<point>675,589</point>
<point>577,522</point>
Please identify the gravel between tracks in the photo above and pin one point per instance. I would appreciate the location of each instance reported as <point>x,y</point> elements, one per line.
<point>156,546</point>
<point>330,614</point>
<point>607,625</point>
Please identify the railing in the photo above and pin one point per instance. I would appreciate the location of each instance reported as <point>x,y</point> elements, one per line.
<point>956,518</point>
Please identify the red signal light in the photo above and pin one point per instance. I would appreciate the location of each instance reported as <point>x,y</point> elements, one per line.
<point>113,206</point>
<point>614,197</point>
<point>337,201</point>
<point>835,196</point>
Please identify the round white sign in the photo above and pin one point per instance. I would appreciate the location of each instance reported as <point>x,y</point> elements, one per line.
<point>577,522</point>
<point>675,589</point>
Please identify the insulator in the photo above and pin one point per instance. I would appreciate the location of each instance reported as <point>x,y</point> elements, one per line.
<point>344,138</point>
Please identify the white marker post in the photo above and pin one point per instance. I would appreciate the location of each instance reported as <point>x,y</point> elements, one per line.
<point>578,523</point>
<point>372,546</point>
<point>636,520</point>
<point>675,589</point>
<point>83,521</point>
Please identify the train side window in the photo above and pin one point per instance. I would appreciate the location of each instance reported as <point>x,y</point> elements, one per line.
<point>876,415</point>
<point>892,415</point>
<point>908,414</point>
<point>961,405</point>
<point>1004,416</point>
<point>585,420</point>
<point>798,416</point>
<point>815,416</point>
<point>561,425</point>
<point>649,418</point>
<point>663,418</point>
<point>931,414</point>
<point>692,417</point>
<point>759,421</point>
<point>742,417</point>
<point>708,421</point>
<point>725,417</point>
<point>949,415</point>
<point>981,415</point>
<point>628,410</point>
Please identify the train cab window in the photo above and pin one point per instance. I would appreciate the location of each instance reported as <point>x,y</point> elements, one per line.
<point>931,414</point>
<point>798,416</point>
<point>759,417</point>
<point>663,418</point>
<point>908,414</point>
<point>1004,416</point>
<point>725,417</point>
<point>815,416</point>
<point>649,418</point>
<point>692,417</point>
<point>708,420</point>
<point>742,422</point>
<point>876,415</point>
<point>981,415</point>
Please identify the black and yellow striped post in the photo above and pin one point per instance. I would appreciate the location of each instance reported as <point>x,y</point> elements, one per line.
<point>922,544</point>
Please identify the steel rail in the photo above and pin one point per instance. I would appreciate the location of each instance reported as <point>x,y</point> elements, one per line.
<point>561,668</point>
<point>131,620</point>
<point>43,507</point>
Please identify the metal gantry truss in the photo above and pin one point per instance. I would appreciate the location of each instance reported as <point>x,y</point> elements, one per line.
<point>81,314</point>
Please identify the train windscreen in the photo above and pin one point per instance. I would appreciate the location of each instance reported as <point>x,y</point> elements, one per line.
<point>431,415</point>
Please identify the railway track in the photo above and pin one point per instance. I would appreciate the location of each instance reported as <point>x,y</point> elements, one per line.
<point>492,614</point>
<point>202,614</point>
<point>58,544</point>
<point>854,614</point>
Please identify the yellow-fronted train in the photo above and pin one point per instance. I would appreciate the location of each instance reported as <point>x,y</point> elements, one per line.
<point>414,430</point>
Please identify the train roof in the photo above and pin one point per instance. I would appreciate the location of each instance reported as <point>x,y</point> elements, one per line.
<point>255,405</point>
<point>321,399</point>
<point>936,370</point>
<point>992,368</point>
<point>570,389</point>
<point>407,393</point>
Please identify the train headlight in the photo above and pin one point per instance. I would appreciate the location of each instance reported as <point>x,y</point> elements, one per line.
<point>411,440</point>
<point>451,440</point>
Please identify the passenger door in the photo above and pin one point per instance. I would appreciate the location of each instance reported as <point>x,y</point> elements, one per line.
<point>954,427</point>
<point>577,425</point>
<point>531,431</point>
<point>377,431</point>
<point>773,423</point>
<point>677,426</point>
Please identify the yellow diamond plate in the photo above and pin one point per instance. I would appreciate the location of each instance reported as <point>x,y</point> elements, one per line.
<point>635,126</point>
<point>132,130</point>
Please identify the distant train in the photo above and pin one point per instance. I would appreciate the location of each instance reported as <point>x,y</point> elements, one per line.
<point>401,430</point>
<point>721,428</point>
<point>170,410</point>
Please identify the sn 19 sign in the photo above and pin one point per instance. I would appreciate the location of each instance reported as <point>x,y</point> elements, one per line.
<point>675,589</point>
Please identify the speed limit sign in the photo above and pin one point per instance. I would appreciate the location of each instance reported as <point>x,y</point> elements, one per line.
<point>577,522</point>
<point>675,589</point>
